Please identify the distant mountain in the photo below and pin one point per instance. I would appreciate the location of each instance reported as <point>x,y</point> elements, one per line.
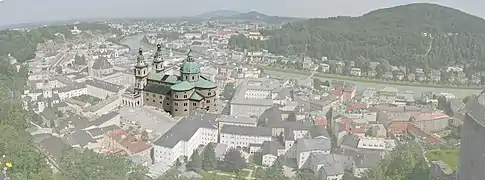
<point>219,13</point>
<point>254,16</point>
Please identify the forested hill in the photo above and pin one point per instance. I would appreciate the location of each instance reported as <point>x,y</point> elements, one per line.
<point>420,35</point>
<point>22,44</point>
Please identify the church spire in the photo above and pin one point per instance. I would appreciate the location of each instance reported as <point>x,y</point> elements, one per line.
<point>189,56</point>
<point>140,60</point>
<point>157,59</point>
<point>158,54</point>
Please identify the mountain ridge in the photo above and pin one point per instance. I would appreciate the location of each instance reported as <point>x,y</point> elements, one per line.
<point>250,16</point>
<point>421,35</point>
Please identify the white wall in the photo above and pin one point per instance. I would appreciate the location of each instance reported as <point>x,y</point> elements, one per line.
<point>234,140</point>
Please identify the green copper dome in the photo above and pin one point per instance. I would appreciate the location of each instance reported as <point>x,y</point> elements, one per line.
<point>190,68</point>
<point>182,86</point>
<point>205,84</point>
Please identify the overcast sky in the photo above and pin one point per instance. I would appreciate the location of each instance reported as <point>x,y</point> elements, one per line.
<point>19,11</point>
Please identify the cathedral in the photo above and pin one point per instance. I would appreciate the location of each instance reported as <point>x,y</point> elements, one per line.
<point>178,95</point>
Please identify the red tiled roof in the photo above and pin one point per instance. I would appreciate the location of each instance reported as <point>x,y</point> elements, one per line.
<point>116,132</point>
<point>336,92</point>
<point>347,120</point>
<point>321,122</point>
<point>430,138</point>
<point>356,130</point>
<point>398,128</point>
<point>355,106</point>
<point>429,116</point>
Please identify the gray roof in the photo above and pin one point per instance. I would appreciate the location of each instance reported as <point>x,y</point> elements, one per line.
<point>272,114</point>
<point>81,138</point>
<point>283,94</point>
<point>49,113</point>
<point>102,63</point>
<point>271,147</point>
<point>367,160</point>
<point>80,122</point>
<point>104,85</point>
<point>475,108</point>
<point>351,152</point>
<point>244,130</point>
<point>240,94</point>
<point>185,128</point>
<point>104,118</point>
<point>53,147</point>
<point>350,140</point>
<point>404,109</point>
<point>305,145</point>
<point>331,163</point>
<point>95,132</point>
<point>71,87</point>
<point>110,128</point>
<point>445,168</point>
<point>319,131</point>
<point>237,119</point>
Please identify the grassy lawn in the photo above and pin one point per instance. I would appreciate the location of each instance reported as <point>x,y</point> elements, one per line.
<point>363,79</point>
<point>214,175</point>
<point>290,71</point>
<point>449,156</point>
<point>246,172</point>
<point>87,99</point>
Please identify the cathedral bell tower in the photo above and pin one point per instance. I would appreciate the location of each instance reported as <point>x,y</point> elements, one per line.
<point>158,60</point>
<point>141,72</point>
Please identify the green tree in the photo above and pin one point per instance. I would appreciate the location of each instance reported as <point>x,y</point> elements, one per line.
<point>259,173</point>
<point>209,160</point>
<point>233,161</point>
<point>214,176</point>
<point>257,158</point>
<point>171,174</point>
<point>144,135</point>
<point>195,163</point>
<point>349,176</point>
<point>274,173</point>
<point>305,174</point>
<point>79,60</point>
<point>240,175</point>
<point>414,36</point>
<point>228,91</point>
<point>59,70</point>
<point>405,162</point>
<point>91,165</point>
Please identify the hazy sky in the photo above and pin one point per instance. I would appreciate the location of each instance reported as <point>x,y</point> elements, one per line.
<point>17,11</point>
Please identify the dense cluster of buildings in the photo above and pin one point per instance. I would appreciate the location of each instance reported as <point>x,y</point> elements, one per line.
<point>160,106</point>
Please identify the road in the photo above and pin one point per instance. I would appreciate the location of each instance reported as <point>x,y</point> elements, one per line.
<point>59,59</point>
<point>460,93</point>
<point>423,150</point>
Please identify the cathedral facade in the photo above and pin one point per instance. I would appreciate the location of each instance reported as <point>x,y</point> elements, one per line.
<point>178,95</point>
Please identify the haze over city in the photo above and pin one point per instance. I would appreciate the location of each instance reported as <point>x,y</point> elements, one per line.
<point>22,11</point>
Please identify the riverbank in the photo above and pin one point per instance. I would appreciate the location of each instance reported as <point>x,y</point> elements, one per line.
<point>117,41</point>
<point>375,81</point>
<point>134,42</point>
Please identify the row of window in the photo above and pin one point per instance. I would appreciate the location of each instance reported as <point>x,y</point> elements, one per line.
<point>185,96</point>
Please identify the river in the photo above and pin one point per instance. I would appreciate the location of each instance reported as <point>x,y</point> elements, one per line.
<point>363,85</point>
<point>134,42</point>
